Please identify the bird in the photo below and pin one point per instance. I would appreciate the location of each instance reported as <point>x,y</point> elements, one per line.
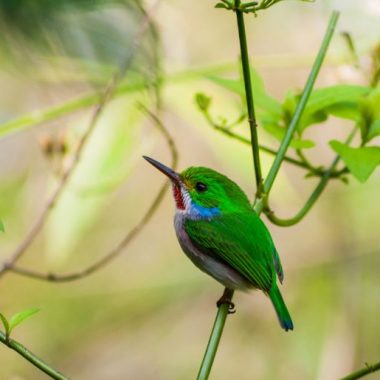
<point>220,232</point>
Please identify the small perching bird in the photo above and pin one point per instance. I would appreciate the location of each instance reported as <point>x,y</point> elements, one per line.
<point>223,236</point>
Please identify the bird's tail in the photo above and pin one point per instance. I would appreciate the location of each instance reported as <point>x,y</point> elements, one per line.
<point>280,307</point>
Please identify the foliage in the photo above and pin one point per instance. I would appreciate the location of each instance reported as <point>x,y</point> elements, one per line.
<point>360,104</point>
<point>16,319</point>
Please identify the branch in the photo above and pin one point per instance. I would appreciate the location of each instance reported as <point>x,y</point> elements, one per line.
<point>52,200</point>
<point>221,315</point>
<point>301,105</point>
<point>369,368</point>
<point>249,96</point>
<point>326,177</point>
<point>25,353</point>
<point>315,170</point>
<point>56,277</point>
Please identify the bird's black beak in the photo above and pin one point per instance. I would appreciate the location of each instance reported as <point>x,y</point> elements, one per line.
<point>174,176</point>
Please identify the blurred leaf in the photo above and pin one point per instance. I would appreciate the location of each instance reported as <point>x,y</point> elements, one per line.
<point>222,5</point>
<point>370,116</point>
<point>106,162</point>
<point>233,85</point>
<point>203,101</point>
<point>5,324</point>
<point>261,98</point>
<point>361,161</point>
<point>344,95</point>
<point>11,200</point>
<point>134,83</point>
<point>374,130</point>
<point>340,101</point>
<point>279,133</point>
<point>18,318</point>
<point>2,226</point>
<point>344,110</point>
<point>98,33</point>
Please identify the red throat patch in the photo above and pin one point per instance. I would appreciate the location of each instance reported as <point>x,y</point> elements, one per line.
<point>178,197</point>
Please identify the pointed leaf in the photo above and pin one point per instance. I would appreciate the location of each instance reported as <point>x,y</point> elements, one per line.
<point>374,130</point>
<point>361,161</point>
<point>261,98</point>
<point>203,101</point>
<point>233,85</point>
<point>221,5</point>
<point>5,323</point>
<point>279,132</point>
<point>21,317</point>
<point>340,100</point>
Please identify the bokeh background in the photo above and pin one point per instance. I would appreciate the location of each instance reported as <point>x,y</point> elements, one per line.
<point>148,314</point>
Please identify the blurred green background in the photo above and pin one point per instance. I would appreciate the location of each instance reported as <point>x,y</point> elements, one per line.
<point>148,314</point>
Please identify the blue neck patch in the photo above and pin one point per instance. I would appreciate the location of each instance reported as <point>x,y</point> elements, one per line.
<point>200,212</point>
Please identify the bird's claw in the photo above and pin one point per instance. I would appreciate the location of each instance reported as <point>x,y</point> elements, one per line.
<point>226,301</point>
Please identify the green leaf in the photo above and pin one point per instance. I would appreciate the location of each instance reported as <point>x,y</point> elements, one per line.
<point>221,5</point>
<point>344,110</point>
<point>261,98</point>
<point>374,130</point>
<point>279,132</point>
<point>2,226</point>
<point>5,323</point>
<point>18,318</point>
<point>370,116</point>
<point>106,162</point>
<point>323,98</point>
<point>341,101</point>
<point>234,85</point>
<point>203,101</point>
<point>361,161</point>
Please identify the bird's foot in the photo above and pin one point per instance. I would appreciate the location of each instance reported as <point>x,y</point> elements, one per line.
<point>224,300</point>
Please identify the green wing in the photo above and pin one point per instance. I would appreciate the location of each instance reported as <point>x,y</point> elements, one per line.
<point>242,241</point>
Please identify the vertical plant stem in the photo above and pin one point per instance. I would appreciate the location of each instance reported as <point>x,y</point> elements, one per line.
<point>268,183</point>
<point>249,96</point>
<point>221,316</point>
<point>213,342</point>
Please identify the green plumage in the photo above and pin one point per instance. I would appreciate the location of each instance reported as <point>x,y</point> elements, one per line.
<point>243,242</point>
<point>223,236</point>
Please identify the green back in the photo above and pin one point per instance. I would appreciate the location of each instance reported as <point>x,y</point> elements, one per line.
<point>243,242</point>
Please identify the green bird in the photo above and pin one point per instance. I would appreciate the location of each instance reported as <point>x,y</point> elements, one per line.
<point>223,236</point>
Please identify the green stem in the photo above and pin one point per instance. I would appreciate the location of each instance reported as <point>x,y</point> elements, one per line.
<point>317,171</point>
<point>314,195</point>
<point>363,372</point>
<point>215,336</point>
<point>24,352</point>
<point>221,315</point>
<point>308,205</point>
<point>42,116</point>
<point>268,183</point>
<point>249,96</point>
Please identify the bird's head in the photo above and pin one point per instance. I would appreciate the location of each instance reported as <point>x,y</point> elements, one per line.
<point>204,188</point>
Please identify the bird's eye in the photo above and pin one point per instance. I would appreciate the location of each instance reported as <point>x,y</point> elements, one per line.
<point>200,187</point>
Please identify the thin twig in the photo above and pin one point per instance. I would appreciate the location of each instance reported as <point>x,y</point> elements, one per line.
<point>369,368</point>
<point>103,99</point>
<point>325,178</point>
<point>268,183</point>
<point>315,170</point>
<point>25,353</point>
<point>56,277</point>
